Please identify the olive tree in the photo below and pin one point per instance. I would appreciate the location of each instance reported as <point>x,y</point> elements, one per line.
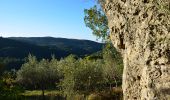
<point>67,67</point>
<point>38,74</point>
<point>81,76</point>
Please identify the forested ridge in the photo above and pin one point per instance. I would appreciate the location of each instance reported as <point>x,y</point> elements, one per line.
<point>13,51</point>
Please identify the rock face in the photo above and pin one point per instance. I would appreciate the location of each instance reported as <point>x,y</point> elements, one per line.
<point>140,30</point>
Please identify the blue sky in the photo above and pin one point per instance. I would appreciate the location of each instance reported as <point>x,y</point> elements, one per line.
<point>38,18</point>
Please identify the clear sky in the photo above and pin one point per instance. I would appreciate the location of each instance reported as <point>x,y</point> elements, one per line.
<point>38,18</point>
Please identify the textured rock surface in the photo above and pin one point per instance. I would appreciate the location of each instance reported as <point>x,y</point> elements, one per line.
<point>141,32</point>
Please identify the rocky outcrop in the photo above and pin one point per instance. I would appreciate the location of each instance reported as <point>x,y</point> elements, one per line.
<point>140,30</point>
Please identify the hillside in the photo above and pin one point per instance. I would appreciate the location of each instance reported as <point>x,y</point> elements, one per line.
<point>72,46</point>
<point>19,48</point>
<point>46,46</point>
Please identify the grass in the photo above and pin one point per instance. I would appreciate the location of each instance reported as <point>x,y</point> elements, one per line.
<point>39,93</point>
<point>115,94</point>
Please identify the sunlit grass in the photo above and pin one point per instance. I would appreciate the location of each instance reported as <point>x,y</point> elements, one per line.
<point>39,93</point>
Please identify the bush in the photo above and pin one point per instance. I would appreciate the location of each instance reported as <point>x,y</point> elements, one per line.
<point>9,92</point>
<point>81,76</point>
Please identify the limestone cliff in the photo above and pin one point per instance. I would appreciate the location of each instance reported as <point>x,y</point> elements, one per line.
<point>140,30</point>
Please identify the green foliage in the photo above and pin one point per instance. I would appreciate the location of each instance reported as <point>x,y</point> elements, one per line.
<point>81,76</point>
<point>9,92</point>
<point>73,75</point>
<point>8,78</point>
<point>92,77</point>
<point>37,74</point>
<point>8,87</point>
<point>113,69</point>
<point>67,67</point>
<point>95,56</point>
<point>85,76</point>
<point>97,21</point>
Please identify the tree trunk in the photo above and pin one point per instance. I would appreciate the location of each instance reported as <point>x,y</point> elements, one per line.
<point>115,81</point>
<point>110,87</point>
<point>141,32</point>
<point>43,93</point>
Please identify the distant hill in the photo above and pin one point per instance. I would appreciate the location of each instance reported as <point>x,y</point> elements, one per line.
<point>15,49</point>
<point>44,47</point>
<point>70,46</point>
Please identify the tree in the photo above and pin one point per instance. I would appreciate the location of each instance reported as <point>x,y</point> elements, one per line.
<point>38,74</point>
<point>55,75</point>
<point>96,20</point>
<point>81,76</point>
<point>67,67</point>
<point>113,68</point>
<point>89,75</point>
<point>26,76</point>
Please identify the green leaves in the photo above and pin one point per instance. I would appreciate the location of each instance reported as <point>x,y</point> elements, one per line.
<point>38,74</point>
<point>73,75</point>
<point>113,69</point>
<point>8,87</point>
<point>96,20</point>
<point>81,76</point>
